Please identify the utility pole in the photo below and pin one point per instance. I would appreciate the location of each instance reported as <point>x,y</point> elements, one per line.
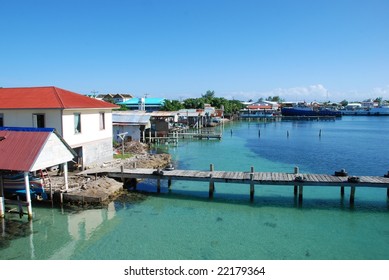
<point>94,93</point>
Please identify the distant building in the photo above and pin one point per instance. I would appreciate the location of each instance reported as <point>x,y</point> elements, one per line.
<point>133,123</point>
<point>144,104</point>
<point>114,97</point>
<point>84,123</point>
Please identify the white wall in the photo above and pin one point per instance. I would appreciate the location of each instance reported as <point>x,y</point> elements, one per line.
<point>90,126</point>
<point>133,131</point>
<point>96,143</point>
<point>23,118</point>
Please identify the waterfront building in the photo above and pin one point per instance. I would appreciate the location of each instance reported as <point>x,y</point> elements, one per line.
<point>84,123</point>
<point>144,104</point>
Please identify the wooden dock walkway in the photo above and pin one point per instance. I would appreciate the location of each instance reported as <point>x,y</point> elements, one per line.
<point>296,179</point>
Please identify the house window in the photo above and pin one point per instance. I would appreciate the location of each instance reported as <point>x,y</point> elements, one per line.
<point>77,123</point>
<point>102,121</point>
<point>38,120</point>
<point>1,119</point>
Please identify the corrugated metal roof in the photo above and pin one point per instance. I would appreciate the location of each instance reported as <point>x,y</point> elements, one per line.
<point>148,101</point>
<point>131,118</point>
<point>20,147</point>
<point>47,98</point>
<point>164,113</point>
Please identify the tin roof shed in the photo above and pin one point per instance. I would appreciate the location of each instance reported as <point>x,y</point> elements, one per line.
<point>31,149</point>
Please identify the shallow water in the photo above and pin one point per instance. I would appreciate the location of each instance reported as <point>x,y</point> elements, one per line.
<point>185,224</point>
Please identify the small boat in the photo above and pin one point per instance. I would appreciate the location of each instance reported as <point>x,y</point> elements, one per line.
<point>169,167</point>
<point>14,185</point>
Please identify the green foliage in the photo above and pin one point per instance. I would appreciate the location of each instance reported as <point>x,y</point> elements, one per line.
<point>275,99</point>
<point>230,106</point>
<point>122,108</point>
<point>172,105</point>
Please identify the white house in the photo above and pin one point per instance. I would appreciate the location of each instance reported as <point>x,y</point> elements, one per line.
<point>84,123</point>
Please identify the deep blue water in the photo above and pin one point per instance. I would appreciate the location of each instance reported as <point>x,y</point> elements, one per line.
<point>185,224</point>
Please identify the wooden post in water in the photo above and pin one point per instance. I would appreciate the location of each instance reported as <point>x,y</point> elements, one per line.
<point>342,191</point>
<point>300,193</point>
<point>352,195</point>
<point>158,185</point>
<point>159,181</point>
<point>169,184</point>
<point>28,195</point>
<point>252,184</point>
<point>387,193</point>
<point>296,171</point>
<point>211,182</point>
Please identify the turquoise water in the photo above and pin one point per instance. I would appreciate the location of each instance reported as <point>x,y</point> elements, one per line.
<point>185,224</point>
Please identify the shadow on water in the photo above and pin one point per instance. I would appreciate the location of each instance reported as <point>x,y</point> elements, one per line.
<point>277,201</point>
<point>270,200</point>
<point>11,229</point>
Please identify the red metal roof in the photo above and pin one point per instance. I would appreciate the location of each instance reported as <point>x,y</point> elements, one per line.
<point>254,107</point>
<point>20,149</point>
<point>47,98</point>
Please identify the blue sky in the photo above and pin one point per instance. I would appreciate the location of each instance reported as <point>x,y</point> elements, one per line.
<point>244,49</point>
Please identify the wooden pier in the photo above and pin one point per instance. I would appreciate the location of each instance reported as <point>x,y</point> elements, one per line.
<point>295,179</point>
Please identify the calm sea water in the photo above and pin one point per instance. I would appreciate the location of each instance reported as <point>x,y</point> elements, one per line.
<point>185,224</point>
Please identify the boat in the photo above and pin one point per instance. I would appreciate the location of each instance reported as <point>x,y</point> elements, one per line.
<point>366,111</point>
<point>309,111</point>
<point>14,185</point>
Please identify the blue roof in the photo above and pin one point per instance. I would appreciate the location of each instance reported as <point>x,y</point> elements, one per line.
<point>27,129</point>
<point>148,101</point>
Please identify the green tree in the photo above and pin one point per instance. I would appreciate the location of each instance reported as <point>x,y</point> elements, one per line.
<point>209,95</point>
<point>275,99</point>
<point>172,105</point>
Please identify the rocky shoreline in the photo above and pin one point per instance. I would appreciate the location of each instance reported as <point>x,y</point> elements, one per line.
<point>99,190</point>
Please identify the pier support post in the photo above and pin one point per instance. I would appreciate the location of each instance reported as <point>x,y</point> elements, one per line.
<point>169,184</point>
<point>211,182</point>
<point>296,171</point>
<point>387,193</point>
<point>352,195</point>
<point>252,184</point>
<point>65,175</point>
<point>28,195</point>
<point>2,206</point>
<point>158,185</point>
<point>300,194</point>
<point>342,191</point>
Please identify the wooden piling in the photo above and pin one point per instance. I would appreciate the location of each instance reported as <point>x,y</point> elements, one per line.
<point>158,185</point>
<point>387,193</point>
<point>352,195</point>
<point>211,182</point>
<point>342,191</point>
<point>169,183</point>
<point>252,184</point>
<point>300,193</point>
<point>296,171</point>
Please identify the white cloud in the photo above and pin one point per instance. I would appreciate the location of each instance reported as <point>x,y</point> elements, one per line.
<point>381,91</point>
<point>303,93</point>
